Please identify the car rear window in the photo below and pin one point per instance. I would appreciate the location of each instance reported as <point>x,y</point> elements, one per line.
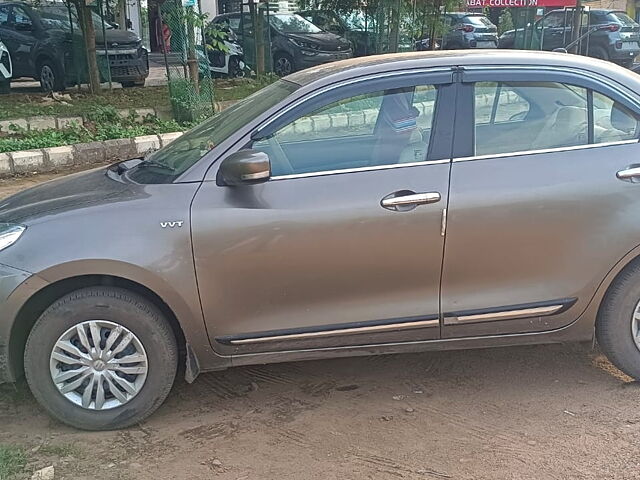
<point>621,18</point>
<point>478,20</point>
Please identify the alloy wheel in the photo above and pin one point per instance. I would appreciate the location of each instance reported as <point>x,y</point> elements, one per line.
<point>47,78</point>
<point>98,365</point>
<point>283,66</point>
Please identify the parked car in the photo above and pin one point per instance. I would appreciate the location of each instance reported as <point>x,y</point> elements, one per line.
<point>41,45</point>
<point>354,27</point>
<point>5,69</point>
<point>296,43</point>
<point>350,27</point>
<point>468,30</point>
<point>617,39</point>
<point>310,221</point>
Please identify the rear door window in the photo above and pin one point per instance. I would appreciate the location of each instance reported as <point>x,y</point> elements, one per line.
<point>531,116</point>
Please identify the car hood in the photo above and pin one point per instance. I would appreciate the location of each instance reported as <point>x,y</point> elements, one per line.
<point>64,194</point>
<point>326,40</point>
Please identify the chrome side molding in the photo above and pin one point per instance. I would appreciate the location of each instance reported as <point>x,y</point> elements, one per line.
<point>345,329</point>
<point>513,312</point>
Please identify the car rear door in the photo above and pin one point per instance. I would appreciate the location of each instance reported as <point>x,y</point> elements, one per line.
<point>537,214</point>
<point>343,245</point>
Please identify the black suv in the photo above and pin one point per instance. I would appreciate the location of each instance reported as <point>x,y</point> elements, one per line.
<point>614,35</point>
<point>296,43</point>
<point>468,30</point>
<point>41,45</point>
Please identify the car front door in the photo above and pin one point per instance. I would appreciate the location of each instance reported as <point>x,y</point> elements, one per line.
<point>537,212</point>
<point>343,245</point>
<point>553,33</point>
<point>20,40</point>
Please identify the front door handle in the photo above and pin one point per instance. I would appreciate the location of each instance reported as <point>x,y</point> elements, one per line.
<point>407,200</point>
<point>631,174</point>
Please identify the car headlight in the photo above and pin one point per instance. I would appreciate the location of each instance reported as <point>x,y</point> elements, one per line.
<point>9,234</point>
<point>301,44</point>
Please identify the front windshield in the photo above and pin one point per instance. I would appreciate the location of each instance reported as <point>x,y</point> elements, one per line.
<point>292,24</point>
<point>54,16</point>
<point>168,163</point>
<point>622,18</point>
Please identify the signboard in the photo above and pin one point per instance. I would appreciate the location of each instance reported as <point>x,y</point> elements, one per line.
<point>520,3</point>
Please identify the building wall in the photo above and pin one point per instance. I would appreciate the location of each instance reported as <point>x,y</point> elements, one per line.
<point>210,7</point>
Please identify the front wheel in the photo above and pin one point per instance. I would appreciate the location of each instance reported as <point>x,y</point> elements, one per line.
<point>283,64</point>
<point>101,358</point>
<point>618,323</point>
<point>5,87</point>
<point>51,80</point>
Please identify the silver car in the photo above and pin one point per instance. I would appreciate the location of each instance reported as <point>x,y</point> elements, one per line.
<point>384,204</point>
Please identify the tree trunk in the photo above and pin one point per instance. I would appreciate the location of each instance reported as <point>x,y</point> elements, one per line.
<point>394,34</point>
<point>89,34</point>
<point>576,23</point>
<point>192,62</point>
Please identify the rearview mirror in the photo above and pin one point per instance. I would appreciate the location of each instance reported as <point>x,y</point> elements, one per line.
<point>245,167</point>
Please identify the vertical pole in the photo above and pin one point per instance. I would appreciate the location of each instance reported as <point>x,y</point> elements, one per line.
<point>164,47</point>
<point>106,46</point>
<point>270,56</point>
<point>575,24</point>
<point>259,33</point>
<point>73,48</point>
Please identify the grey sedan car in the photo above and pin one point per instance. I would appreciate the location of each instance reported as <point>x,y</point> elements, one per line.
<point>387,204</point>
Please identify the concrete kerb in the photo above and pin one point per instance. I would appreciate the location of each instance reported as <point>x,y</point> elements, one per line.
<point>48,122</point>
<point>48,159</point>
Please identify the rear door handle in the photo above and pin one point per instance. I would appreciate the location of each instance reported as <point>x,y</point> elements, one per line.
<point>404,200</point>
<point>630,174</point>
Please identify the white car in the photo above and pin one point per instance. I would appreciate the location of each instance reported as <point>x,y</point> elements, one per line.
<point>5,69</point>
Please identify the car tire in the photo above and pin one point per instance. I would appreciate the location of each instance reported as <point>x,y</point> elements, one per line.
<point>235,71</point>
<point>145,369</point>
<point>599,52</point>
<point>133,84</point>
<point>5,87</point>
<point>618,322</point>
<point>283,64</point>
<point>51,79</point>
<point>626,64</point>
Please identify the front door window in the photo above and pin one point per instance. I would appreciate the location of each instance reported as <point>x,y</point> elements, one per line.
<point>380,128</point>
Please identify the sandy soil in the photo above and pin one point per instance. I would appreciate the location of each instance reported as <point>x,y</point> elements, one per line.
<point>545,412</point>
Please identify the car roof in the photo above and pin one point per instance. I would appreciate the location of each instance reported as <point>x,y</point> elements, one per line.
<point>465,14</point>
<point>347,69</point>
<point>591,10</point>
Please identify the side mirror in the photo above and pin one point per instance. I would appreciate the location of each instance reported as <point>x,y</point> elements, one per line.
<point>245,167</point>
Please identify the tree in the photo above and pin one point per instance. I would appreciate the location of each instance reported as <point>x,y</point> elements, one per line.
<point>505,21</point>
<point>89,35</point>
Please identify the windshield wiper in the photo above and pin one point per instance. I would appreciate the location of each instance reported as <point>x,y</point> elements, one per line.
<point>152,163</point>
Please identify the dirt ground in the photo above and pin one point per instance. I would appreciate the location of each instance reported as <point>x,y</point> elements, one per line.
<point>544,412</point>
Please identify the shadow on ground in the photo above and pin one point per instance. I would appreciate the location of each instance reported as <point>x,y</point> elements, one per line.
<point>511,413</point>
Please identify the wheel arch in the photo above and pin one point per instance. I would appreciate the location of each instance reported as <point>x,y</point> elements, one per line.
<point>40,58</point>
<point>593,308</point>
<point>43,298</point>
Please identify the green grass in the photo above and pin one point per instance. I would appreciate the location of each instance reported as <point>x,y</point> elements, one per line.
<point>20,105</point>
<point>104,124</point>
<point>12,461</point>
